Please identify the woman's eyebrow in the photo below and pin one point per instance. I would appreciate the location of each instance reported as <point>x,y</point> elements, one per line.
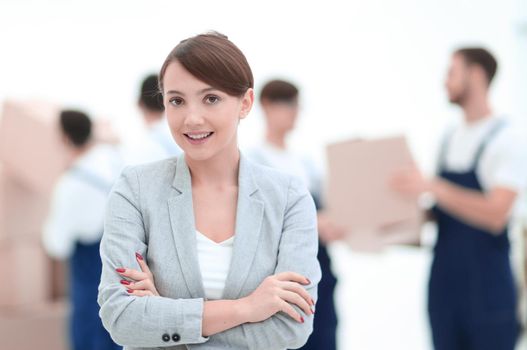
<point>175,92</point>
<point>202,91</point>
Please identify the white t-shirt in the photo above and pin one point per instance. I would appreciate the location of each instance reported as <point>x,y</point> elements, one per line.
<point>214,263</point>
<point>79,200</point>
<point>160,133</point>
<point>290,163</point>
<point>503,162</point>
<point>154,144</point>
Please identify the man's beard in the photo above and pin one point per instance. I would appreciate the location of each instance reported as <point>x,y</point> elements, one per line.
<point>461,98</point>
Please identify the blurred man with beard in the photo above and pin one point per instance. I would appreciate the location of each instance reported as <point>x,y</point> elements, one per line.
<point>482,169</point>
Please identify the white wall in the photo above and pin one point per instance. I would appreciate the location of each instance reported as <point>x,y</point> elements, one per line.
<point>365,67</point>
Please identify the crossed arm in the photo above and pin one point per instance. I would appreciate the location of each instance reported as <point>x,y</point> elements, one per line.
<point>278,314</point>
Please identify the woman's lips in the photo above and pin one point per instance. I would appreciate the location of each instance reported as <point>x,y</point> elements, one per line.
<point>198,138</point>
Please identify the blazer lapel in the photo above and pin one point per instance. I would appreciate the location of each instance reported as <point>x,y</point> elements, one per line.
<point>184,230</point>
<point>249,217</point>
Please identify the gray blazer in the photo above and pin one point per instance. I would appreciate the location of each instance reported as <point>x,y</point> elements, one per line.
<point>150,211</point>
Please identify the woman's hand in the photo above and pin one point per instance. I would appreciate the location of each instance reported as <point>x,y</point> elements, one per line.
<point>138,283</point>
<point>275,294</point>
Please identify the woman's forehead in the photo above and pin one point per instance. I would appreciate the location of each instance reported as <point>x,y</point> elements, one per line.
<point>178,79</point>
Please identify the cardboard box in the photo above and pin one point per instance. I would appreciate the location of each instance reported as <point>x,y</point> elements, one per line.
<point>358,196</point>
<point>3,233</point>
<point>22,211</point>
<point>26,267</point>
<point>31,149</point>
<point>59,280</point>
<point>43,326</point>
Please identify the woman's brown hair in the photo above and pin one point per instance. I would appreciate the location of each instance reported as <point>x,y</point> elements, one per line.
<point>215,60</point>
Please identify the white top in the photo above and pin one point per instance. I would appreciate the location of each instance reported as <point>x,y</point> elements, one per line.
<point>504,160</point>
<point>214,263</point>
<point>290,163</point>
<point>160,133</point>
<point>154,144</point>
<point>79,200</point>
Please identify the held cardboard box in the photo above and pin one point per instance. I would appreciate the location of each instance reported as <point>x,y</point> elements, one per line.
<point>358,196</point>
<point>42,326</point>
<point>30,143</point>
<point>3,233</point>
<point>27,268</point>
<point>22,211</point>
<point>59,280</point>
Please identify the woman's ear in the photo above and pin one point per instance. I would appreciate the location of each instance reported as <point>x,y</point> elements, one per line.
<point>247,103</point>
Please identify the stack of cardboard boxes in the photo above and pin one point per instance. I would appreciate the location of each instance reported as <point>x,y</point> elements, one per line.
<point>33,311</point>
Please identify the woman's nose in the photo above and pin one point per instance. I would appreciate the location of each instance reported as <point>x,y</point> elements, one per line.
<point>194,116</point>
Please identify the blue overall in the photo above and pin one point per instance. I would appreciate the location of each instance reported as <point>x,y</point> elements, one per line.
<point>86,329</point>
<point>472,296</point>
<point>325,323</point>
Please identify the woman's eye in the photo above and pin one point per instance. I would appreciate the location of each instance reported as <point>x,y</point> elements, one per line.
<point>212,99</point>
<point>176,101</point>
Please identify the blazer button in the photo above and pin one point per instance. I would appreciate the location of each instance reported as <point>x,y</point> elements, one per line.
<point>166,337</point>
<point>176,337</point>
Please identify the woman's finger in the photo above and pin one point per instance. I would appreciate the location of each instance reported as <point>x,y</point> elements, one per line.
<point>144,285</point>
<point>132,274</point>
<point>142,263</point>
<point>296,299</point>
<point>298,289</point>
<point>140,293</point>
<point>293,277</point>
<point>289,310</point>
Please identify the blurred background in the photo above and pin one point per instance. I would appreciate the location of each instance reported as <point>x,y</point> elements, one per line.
<point>365,69</point>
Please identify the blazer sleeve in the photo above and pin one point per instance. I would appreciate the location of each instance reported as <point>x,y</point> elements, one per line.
<point>130,320</point>
<point>298,253</point>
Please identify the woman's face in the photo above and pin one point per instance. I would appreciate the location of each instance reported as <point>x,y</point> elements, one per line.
<point>203,120</point>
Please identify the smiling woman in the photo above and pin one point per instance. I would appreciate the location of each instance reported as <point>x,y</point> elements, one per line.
<point>202,115</point>
<point>208,249</point>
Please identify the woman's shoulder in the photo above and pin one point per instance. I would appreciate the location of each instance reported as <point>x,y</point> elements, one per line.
<point>158,166</point>
<point>273,180</point>
<point>157,173</point>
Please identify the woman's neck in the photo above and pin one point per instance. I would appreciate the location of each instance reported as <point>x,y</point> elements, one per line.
<point>219,171</point>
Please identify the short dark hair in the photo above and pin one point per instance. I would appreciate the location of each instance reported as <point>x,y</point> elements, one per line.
<point>76,126</point>
<point>215,60</point>
<point>481,57</point>
<point>279,91</point>
<point>150,96</point>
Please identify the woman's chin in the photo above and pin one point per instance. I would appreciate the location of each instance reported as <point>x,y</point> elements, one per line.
<point>198,155</point>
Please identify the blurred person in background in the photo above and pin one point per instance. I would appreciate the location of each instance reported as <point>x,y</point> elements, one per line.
<point>482,170</point>
<point>74,225</point>
<point>158,142</point>
<point>280,103</point>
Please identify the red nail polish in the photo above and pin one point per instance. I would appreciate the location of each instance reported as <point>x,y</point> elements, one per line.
<point>139,256</point>
<point>302,319</point>
<point>130,290</point>
<point>120,270</point>
<point>125,282</point>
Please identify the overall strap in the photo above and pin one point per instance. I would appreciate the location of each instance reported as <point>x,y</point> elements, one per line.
<point>487,139</point>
